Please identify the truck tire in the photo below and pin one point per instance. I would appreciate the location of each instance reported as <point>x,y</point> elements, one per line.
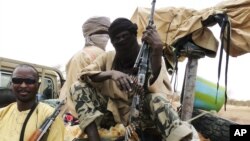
<point>212,127</point>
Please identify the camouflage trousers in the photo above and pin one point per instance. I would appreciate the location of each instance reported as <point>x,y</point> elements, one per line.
<point>158,112</point>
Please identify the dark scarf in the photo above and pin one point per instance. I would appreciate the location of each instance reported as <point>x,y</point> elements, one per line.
<point>124,65</point>
<point>122,24</point>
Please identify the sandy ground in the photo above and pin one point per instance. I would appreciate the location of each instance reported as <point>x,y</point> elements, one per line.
<point>239,114</point>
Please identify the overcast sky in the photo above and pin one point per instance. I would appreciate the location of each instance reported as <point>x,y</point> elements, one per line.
<point>48,32</point>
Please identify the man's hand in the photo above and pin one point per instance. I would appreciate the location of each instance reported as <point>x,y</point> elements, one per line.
<point>152,38</point>
<point>123,81</point>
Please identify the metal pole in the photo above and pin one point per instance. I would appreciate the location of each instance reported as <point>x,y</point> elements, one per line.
<point>189,87</point>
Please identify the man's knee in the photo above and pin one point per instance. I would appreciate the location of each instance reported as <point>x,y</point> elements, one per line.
<point>77,87</point>
<point>77,90</point>
<point>162,109</point>
<point>157,101</point>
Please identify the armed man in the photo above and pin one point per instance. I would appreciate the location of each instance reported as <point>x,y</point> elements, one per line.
<point>21,119</point>
<point>105,89</point>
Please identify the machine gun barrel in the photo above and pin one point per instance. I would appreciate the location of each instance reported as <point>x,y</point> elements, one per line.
<point>142,63</point>
<point>142,60</point>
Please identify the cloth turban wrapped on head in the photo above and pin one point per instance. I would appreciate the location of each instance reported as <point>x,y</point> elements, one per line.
<point>121,24</point>
<point>95,31</point>
<point>95,24</point>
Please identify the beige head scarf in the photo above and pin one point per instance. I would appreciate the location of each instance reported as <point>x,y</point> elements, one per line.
<point>93,25</point>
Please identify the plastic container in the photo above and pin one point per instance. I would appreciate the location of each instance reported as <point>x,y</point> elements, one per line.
<point>205,95</point>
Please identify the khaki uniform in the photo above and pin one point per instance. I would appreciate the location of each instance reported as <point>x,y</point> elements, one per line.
<point>93,48</point>
<point>80,60</point>
<point>93,101</point>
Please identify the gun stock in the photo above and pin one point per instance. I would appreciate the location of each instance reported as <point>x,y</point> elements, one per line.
<point>38,134</point>
<point>35,135</point>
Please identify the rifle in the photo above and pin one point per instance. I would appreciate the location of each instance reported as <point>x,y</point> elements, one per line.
<point>142,60</point>
<point>142,63</point>
<point>38,134</point>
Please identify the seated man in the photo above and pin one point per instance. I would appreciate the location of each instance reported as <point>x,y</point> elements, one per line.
<point>95,32</point>
<point>104,92</point>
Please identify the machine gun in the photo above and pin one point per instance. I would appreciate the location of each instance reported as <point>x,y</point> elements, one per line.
<point>38,134</point>
<point>142,62</point>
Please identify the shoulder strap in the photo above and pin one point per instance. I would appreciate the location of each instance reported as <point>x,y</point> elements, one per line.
<point>225,34</point>
<point>26,120</point>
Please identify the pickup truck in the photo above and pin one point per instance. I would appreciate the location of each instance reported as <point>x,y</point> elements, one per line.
<point>51,80</point>
<point>209,125</point>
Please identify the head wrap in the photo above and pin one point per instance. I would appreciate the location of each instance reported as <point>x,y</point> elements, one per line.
<point>95,24</point>
<point>90,29</point>
<point>122,24</point>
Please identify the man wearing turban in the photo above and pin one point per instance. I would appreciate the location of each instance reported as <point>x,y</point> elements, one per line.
<point>105,89</point>
<point>95,32</point>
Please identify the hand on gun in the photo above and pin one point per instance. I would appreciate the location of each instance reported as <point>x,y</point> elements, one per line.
<point>150,56</point>
<point>152,38</point>
<point>123,81</point>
